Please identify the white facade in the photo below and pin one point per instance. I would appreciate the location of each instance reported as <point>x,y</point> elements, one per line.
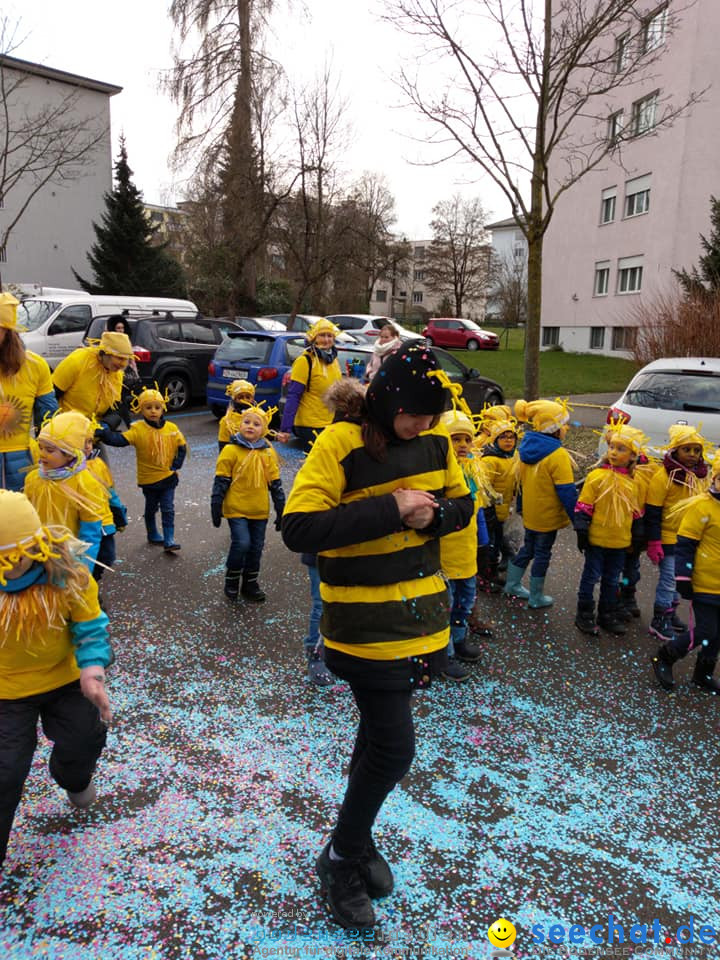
<point>55,232</point>
<point>510,248</point>
<point>407,297</point>
<point>617,234</point>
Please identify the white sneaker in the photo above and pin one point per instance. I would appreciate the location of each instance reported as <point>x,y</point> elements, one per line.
<point>84,798</point>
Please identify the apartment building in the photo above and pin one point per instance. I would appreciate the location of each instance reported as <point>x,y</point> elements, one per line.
<point>54,233</point>
<point>510,250</point>
<point>617,234</point>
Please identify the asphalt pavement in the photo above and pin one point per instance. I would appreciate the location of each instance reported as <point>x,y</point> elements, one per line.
<point>557,786</point>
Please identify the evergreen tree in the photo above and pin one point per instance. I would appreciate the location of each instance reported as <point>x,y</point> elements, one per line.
<point>124,258</point>
<point>703,280</point>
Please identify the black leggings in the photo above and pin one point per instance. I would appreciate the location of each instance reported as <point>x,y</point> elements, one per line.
<point>705,637</point>
<point>383,753</point>
<point>78,735</point>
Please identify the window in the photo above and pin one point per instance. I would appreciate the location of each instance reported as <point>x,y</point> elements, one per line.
<point>72,320</point>
<point>637,196</point>
<point>417,296</point>
<point>643,114</point>
<point>419,253</point>
<point>602,279</point>
<point>622,45</point>
<point>615,126</point>
<point>403,294</point>
<point>654,30</point>
<point>607,205</point>
<point>197,333</point>
<point>419,275</point>
<point>597,338</point>
<point>681,390</point>
<point>381,296</point>
<point>550,336</point>
<point>623,338</point>
<point>630,271</point>
<point>168,331</point>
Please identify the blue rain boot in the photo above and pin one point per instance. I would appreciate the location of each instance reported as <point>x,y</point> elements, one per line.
<point>513,585</point>
<point>537,598</point>
<point>153,534</point>
<point>169,539</point>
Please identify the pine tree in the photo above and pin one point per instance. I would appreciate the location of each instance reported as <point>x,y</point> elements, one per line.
<point>124,258</point>
<point>703,281</point>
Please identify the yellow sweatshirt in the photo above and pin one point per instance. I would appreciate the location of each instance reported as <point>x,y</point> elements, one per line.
<point>88,387</point>
<point>155,449</point>
<point>250,472</point>
<point>616,499</point>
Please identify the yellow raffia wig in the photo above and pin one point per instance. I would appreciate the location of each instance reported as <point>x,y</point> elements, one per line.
<point>544,416</point>
<point>239,389</point>
<point>631,436</point>
<point>255,467</point>
<point>683,435</point>
<point>23,537</point>
<point>68,432</point>
<point>473,467</point>
<point>495,428</point>
<point>701,492</point>
<point>8,312</point>
<point>321,326</point>
<point>148,395</point>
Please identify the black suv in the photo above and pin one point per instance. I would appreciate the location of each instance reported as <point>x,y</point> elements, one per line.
<point>172,350</point>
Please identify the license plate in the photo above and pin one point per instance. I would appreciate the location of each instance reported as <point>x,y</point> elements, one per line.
<point>235,374</point>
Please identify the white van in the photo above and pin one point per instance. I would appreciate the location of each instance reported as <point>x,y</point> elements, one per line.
<point>54,324</point>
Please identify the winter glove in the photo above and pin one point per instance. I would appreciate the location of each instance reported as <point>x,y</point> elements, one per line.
<point>277,495</point>
<point>119,515</point>
<point>655,551</point>
<point>684,588</point>
<point>216,511</point>
<point>221,485</point>
<point>583,540</point>
<point>179,458</point>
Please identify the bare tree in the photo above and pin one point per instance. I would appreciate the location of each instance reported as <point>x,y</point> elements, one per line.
<point>507,288</point>
<point>456,263</point>
<point>373,250</point>
<point>524,89</point>
<point>53,143</point>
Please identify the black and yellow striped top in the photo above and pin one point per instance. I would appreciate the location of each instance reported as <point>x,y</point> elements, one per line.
<point>383,595</point>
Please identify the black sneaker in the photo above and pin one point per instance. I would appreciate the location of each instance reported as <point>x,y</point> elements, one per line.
<point>344,886</point>
<point>455,671</point>
<point>376,873</point>
<point>467,652</point>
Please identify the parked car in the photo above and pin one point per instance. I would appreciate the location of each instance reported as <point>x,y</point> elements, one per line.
<point>54,323</point>
<point>478,390</point>
<point>302,322</point>
<point>172,351</point>
<point>370,325</point>
<point>461,334</point>
<point>672,390</point>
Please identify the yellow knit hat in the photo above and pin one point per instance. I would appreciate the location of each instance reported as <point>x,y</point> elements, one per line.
<point>632,436</point>
<point>499,411</point>
<point>147,395</point>
<point>117,344</point>
<point>496,427</point>
<point>544,416</point>
<point>321,326</point>
<point>240,388</point>
<point>260,411</point>
<point>22,534</point>
<point>683,434</point>
<point>458,422</point>
<point>68,432</point>
<point>8,311</point>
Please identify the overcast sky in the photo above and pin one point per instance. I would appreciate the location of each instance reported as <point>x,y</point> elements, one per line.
<point>129,45</point>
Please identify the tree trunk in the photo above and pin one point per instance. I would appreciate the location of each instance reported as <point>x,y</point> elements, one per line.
<point>534,310</point>
<point>249,267</point>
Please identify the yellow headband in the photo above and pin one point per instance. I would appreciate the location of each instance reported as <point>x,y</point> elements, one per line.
<point>68,432</point>
<point>259,411</point>
<point>148,395</point>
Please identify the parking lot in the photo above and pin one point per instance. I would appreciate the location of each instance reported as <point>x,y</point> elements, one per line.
<point>559,785</point>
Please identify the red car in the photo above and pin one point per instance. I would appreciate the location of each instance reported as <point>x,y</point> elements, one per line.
<point>461,334</point>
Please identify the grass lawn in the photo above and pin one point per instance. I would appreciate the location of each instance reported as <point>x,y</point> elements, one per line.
<point>561,373</point>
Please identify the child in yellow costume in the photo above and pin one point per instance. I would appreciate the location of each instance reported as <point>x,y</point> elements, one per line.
<point>246,469</point>
<point>683,474</point>
<point>242,395</point>
<point>160,450</point>
<point>458,551</point>
<point>90,379</point>
<point>101,471</point>
<point>548,494</point>
<point>62,489</point>
<point>500,463</point>
<point>53,652</point>
<point>697,579</point>
<point>488,416</point>
<point>610,501</point>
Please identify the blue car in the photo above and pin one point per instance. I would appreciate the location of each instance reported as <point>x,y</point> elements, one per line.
<point>263,358</point>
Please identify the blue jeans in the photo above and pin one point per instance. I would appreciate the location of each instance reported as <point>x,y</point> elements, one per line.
<point>313,640</point>
<point>247,539</point>
<point>165,501</point>
<point>604,564</point>
<point>631,568</point>
<point>538,548</point>
<point>665,594</point>
<point>463,593</point>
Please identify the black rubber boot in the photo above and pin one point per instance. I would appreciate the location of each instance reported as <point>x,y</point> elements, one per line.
<point>662,664</point>
<point>609,620</point>
<point>628,601</point>
<point>232,584</point>
<point>675,621</point>
<point>703,675</point>
<point>661,624</point>
<point>585,618</point>
<point>250,588</point>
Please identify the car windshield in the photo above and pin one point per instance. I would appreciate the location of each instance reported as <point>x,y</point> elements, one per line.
<point>249,349</point>
<point>33,313</point>
<point>676,390</point>
<point>470,325</point>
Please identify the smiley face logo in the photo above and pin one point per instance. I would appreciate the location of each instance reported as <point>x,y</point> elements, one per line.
<point>502,933</point>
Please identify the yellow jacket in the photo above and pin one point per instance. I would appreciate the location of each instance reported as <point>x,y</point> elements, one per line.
<point>76,500</point>
<point>616,500</point>
<point>17,400</point>
<point>701,522</point>
<point>87,386</point>
<point>312,412</point>
<point>542,508</point>
<point>229,425</point>
<point>250,472</point>
<point>664,492</point>
<point>502,475</point>
<point>155,449</point>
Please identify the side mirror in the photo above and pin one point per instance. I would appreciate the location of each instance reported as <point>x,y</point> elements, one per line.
<point>472,373</point>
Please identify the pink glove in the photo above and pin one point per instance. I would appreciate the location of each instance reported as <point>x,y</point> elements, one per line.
<point>655,551</point>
